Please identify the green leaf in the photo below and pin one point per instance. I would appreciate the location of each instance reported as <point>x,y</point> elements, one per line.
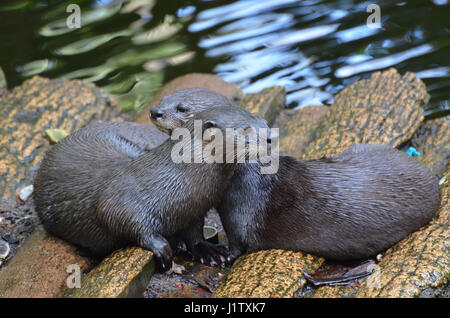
<point>56,135</point>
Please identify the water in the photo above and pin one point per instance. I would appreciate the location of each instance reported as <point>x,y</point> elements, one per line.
<point>313,48</point>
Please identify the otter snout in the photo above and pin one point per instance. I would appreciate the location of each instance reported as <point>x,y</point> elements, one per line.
<point>155,114</point>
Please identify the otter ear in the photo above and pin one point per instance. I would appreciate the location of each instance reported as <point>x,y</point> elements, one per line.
<point>209,124</point>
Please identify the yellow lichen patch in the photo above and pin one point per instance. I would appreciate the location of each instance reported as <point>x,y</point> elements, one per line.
<point>40,104</point>
<point>420,264</point>
<point>297,128</point>
<point>266,104</point>
<point>346,291</point>
<point>124,273</point>
<point>270,273</point>
<point>432,140</point>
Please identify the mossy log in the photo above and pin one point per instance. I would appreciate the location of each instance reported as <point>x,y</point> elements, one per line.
<point>385,109</point>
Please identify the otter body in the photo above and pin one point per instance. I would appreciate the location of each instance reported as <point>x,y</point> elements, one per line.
<point>100,191</point>
<point>346,207</point>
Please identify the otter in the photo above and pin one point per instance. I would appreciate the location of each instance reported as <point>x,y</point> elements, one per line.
<point>172,112</point>
<point>99,191</point>
<point>350,206</point>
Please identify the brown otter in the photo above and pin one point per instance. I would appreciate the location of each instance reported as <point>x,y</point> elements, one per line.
<point>172,112</point>
<point>99,191</point>
<point>346,207</point>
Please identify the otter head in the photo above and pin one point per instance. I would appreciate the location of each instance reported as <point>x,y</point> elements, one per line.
<point>175,109</point>
<point>228,134</point>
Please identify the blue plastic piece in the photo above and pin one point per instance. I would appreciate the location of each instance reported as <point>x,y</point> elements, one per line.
<point>412,152</point>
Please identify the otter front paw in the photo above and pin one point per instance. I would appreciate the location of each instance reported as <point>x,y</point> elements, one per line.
<point>211,254</point>
<point>163,259</point>
<point>162,250</point>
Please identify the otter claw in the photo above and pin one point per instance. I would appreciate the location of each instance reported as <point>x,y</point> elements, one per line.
<point>210,254</point>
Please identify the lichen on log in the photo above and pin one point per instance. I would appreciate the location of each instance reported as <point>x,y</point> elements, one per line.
<point>40,104</point>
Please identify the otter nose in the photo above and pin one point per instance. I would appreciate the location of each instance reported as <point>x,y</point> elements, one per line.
<point>155,113</point>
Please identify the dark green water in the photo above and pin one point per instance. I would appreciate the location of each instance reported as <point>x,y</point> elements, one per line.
<point>314,48</point>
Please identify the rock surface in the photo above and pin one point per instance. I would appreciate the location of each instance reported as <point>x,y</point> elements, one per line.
<point>36,105</point>
<point>39,269</point>
<point>271,273</point>
<point>124,273</point>
<point>346,291</point>
<point>432,140</point>
<point>297,128</point>
<point>267,103</point>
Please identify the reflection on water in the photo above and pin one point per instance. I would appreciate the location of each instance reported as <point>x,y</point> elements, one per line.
<point>313,48</point>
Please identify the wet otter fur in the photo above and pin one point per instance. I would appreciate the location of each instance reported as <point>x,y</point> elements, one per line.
<point>97,190</point>
<point>346,207</point>
<point>172,112</point>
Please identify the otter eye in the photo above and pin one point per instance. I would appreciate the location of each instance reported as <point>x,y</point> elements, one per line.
<point>181,109</point>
